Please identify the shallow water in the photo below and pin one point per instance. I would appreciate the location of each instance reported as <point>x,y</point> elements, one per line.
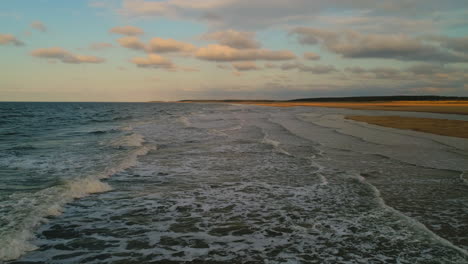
<point>215,183</point>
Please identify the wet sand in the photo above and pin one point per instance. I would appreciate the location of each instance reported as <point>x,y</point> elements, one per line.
<point>443,107</point>
<point>452,128</point>
<point>444,127</point>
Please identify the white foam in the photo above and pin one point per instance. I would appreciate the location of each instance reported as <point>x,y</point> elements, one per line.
<point>409,220</point>
<point>319,170</point>
<point>463,178</point>
<point>184,120</point>
<point>133,140</point>
<point>50,202</point>
<point>130,161</point>
<point>275,144</point>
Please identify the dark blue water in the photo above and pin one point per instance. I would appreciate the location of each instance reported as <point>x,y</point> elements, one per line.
<point>218,183</point>
<point>52,153</point>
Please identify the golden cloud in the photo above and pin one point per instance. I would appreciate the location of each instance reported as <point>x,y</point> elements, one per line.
<point>226,53</point>
<point>127,30</point>
<point>245,66</point>
<point>38,25</point>
<point>6,39</point>
<point>311,56</point>
<point>65,56</point>
<point>234,39</point>
<point>153,61</point>
<point>169,45</point>
<point>131,43</point>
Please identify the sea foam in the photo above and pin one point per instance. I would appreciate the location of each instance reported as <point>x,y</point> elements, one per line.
<point>32,210</point>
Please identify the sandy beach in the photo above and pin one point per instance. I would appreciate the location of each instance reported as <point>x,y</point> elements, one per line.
<point>444,107</point>
<point>452,128</point>
<point>444,127</point>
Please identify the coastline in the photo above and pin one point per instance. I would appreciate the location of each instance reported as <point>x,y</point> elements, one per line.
<point>444,127</point>
<point>442,107</point>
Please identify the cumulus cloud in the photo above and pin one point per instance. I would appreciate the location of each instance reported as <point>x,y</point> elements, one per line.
<point>131,43</point>
<point>161,45</point>
<point>438,72</point>
<point>65,56</point>
<point>38,25</point>
<point>153,61</point>
<point>356,70</point>
<point>127,30</point>
<point>453,43</point>
<point>425,69</point>
<point>245,66</point>
<point>373,16</point>
<point>311,56</point>
<point>241,13</point>
<point>425,72</point>
<point>226,53</point>
<point>317,69</point>
<point>234,39</point>
<point>378,73</point>
<point>100,46</point>
<point>352,44</point>
<point>156,45</point>
<point>7,39</point>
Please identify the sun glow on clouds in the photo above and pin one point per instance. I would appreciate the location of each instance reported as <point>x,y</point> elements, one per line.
<point>323,47</point>
<point>65,56</point>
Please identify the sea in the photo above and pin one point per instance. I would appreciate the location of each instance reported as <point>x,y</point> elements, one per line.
<point>226,183</point>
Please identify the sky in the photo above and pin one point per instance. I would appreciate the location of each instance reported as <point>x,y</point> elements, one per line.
<point>149,50</point>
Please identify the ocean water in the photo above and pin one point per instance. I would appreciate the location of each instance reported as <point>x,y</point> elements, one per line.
<point>219,183</point>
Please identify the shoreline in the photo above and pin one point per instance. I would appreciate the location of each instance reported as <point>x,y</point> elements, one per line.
<point>443,127</point>
<point>441,107</point>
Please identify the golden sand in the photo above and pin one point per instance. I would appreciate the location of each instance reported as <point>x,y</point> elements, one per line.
<point>444,127</point>
<point>445,107</point>
<point>452,128</point>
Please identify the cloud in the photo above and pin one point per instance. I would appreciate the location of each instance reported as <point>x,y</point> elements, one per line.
<point>161,45</point>
<point>425,69</point>
<point>153,61</point>
<point>453,43</point>
<point>231,13</point>
<point>311,56</point>
<point>100,46</point>
<point>226,53</point>
<point>156,45</point>
<point>356,70</point>
<point>234,39</point>
<point>223,67</point>
<point>270,65</point>
<point>131,43</point>
<point>434,73</point>
<point>318,69</point>
<point>363,22</point>
<point>7,39</point>
<point>65,56</point>
<point>245,66</point>
<point>372,16</point>
<point>379,73</point>
<point>38,25</point>
<point>352,44</point>
<point>127,30</point>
